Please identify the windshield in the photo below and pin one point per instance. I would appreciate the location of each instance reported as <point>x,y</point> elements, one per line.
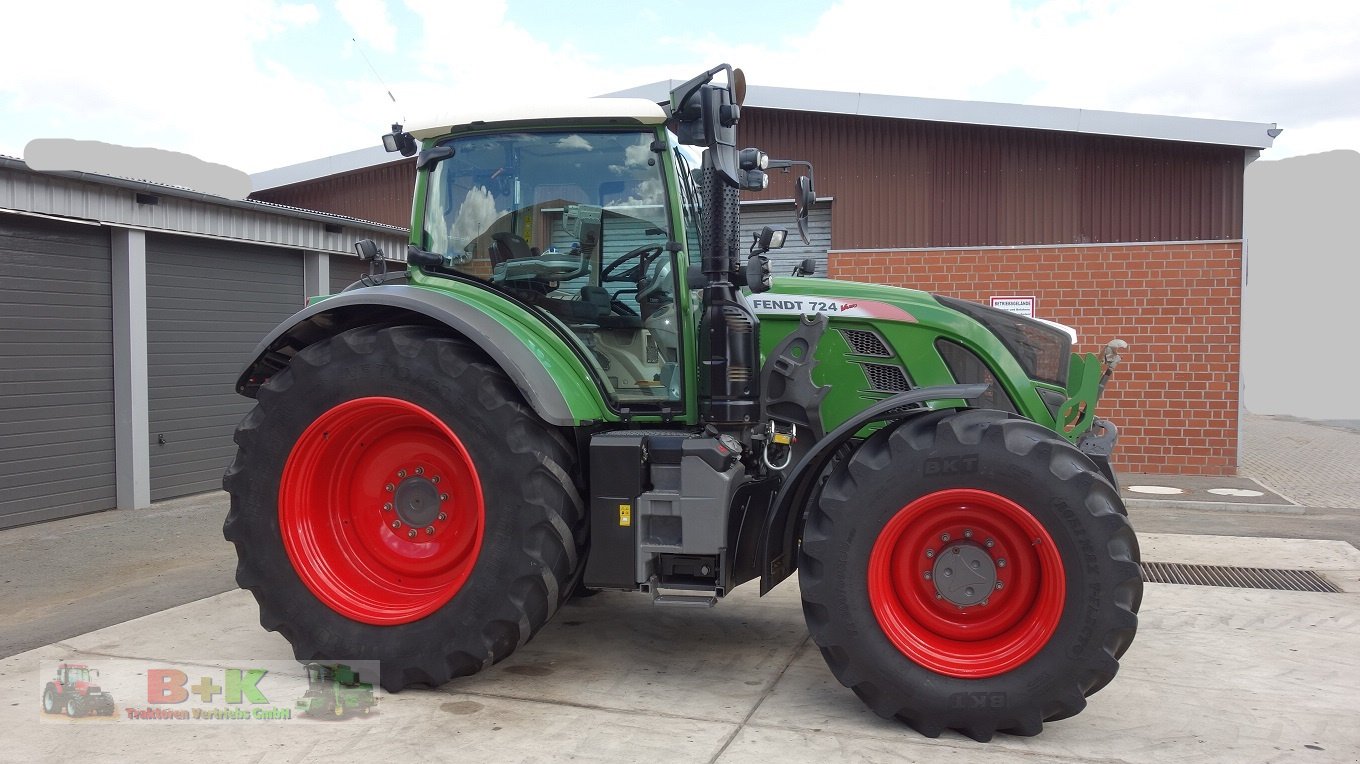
<point>575,223</point>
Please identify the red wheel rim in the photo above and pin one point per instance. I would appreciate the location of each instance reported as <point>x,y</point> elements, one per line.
<point>1018,613</point>
<point>381,511</point>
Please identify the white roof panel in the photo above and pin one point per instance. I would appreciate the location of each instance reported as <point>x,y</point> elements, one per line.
<point>632,110</point>
<point>1220,132</point>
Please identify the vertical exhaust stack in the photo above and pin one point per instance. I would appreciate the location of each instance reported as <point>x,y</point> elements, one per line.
<point>729,332</point>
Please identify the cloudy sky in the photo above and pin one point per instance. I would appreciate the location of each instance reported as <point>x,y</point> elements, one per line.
<point>258,84</point>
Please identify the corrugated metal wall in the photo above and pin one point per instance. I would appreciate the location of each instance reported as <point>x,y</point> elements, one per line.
<point>905,183</point>
<point>381,193</point>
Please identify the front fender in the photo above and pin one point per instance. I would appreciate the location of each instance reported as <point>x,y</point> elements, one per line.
<point>784,523</point>
<point>549,375</point>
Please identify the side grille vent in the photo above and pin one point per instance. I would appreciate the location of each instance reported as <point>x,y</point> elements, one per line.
<point>864,342</point>
<point>885,378</point>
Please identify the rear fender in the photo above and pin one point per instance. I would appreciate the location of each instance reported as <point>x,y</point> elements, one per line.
<point>549,375</point>
<point>784,523</point>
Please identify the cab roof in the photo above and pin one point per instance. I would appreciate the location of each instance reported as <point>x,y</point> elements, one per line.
<point>623,111</point>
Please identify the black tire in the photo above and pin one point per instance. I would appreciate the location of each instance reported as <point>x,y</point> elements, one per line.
<point>73,708</point>
<point>51,700</point>
<point>1038,477</point>
<point>533,528</point>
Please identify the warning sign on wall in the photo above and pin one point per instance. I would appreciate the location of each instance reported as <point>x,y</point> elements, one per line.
<point>1023,306</point>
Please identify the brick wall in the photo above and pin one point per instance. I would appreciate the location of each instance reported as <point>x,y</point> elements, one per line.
<point>1179,306</point>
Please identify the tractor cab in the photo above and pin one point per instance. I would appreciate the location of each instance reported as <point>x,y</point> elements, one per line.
<point>574,219</point>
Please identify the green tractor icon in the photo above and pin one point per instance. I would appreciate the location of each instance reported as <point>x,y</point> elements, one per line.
<point>334,691</point>
<point>73,690</point>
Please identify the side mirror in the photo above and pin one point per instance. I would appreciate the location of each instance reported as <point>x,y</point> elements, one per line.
<point>768,239</point>
<point>805,268</point>
<point>803,199</point>
<point>368,250</point>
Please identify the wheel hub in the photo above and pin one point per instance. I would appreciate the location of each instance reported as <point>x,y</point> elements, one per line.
<point>964,574</point>
<point>417,501</point>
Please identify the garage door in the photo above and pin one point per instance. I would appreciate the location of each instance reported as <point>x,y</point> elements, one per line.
<point>756,216</point>
<point>56,370</point>
<point>208,304</point>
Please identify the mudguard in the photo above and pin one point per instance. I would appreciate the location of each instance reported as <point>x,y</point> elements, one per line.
<point>784,523</point>
<point>554,382</point>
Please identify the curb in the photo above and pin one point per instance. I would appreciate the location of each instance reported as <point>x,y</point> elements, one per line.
<point>1285,509</point>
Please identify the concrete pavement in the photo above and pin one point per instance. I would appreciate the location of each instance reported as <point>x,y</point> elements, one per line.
<point>1215,674</point>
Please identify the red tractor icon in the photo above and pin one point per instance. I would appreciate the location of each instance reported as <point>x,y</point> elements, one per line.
<point>73,691</point>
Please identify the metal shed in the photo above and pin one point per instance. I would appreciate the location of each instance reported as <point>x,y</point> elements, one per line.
<point>126,312</point>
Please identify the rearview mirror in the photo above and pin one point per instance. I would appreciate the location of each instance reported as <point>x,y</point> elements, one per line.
<point>805,268</point>
<point>803,199</point>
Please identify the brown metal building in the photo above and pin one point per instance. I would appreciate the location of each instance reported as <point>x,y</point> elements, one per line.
<point>1117,224</point>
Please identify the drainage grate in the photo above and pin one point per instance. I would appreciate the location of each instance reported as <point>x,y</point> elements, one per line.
<point>1242,578</point>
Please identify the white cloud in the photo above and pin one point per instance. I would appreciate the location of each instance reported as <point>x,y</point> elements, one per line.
<point>217,82</point>
<point>370,23</point>
<point>171,75</point>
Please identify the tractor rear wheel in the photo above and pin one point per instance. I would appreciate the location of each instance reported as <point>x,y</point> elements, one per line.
<point>970,571</point>
<point>393,498</point>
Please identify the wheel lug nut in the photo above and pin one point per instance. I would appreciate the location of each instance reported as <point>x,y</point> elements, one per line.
<point>1000,586</point>
<point>989,543</point>
<point>1001,563</point>
<point>396,524</point>
<point>420,470</point>
<point>928,576</point>
<point>442,517</point>
<point>435,480</point>
<point>930,553</point>
<point>429,531</point>
<point>944,536</point>
<point>967,533</point>
<point>956,550</point>
<point>387,507</point>
<point>390,487</point>
<point>411,533</point>
<point>983,603</point>
<point>443,497</point>
<point>401,473</point>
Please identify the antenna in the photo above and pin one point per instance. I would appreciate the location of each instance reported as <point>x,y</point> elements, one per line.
<point>372,68</point>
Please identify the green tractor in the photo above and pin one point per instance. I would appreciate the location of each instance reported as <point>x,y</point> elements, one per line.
<point>335,690</point>
<point>577,383</point>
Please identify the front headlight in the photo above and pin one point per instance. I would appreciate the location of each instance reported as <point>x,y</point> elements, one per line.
<point>1043,351</point>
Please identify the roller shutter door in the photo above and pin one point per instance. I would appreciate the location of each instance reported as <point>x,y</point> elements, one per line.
<point>757,216</point>
<point>56,370</point>
<point>208,304</point>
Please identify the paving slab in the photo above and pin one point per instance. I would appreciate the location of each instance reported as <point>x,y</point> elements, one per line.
<point>1312,463</point>
<point>1215,674</point>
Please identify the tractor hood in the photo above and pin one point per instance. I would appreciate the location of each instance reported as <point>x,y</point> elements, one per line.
<point>846,299</point>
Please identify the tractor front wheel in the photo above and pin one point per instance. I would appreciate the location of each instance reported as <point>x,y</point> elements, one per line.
<point>971,571</point>
<point>393,498</point>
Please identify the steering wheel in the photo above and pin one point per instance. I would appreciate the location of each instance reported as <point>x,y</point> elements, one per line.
<point>632,274</point>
